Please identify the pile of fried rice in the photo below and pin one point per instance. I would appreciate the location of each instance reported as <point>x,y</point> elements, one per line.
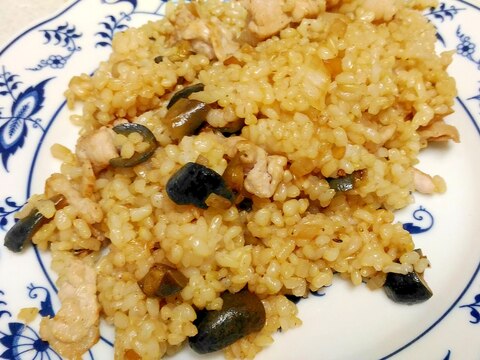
<point>298,93</point>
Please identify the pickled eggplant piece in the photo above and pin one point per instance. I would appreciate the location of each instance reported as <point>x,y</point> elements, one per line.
<point>234,174</point>
<point>193,183</point>
<point>185,93</point>
<point>241,314</point>
<point>185,117</point>
<point>162,281</point>
<point>137,158</point>
<point>407,289</point>
<point>232,128</point>
<point>345,182</point>
<point>245,205</point>
<point>24,229</point>
<point>342,184</point>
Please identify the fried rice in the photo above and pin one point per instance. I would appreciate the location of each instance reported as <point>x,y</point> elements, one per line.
<point>321,90</point>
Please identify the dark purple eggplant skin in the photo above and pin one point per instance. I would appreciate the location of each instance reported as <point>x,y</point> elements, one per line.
<point>193,183</point>
<point>137,158</point>
<point>342,184</point>
<point>22,232</point>
<point>407,289</point>
<point>185,93</point>
<point>241,314</point>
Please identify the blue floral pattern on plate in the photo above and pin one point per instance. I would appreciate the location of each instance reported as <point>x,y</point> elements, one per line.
<point>64,36</point>
<point>474,309</point>
<point>30,102</point>
<point>111,24</point>
<point>425,221</point>
<point>24,106</point>
<point>21,342</point>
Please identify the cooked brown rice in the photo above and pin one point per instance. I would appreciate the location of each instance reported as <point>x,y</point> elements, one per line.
<point>342,87</point>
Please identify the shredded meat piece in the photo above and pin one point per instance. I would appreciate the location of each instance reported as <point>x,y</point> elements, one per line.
<point>267,172</point>
<point>268,17</point>
<point>439,131</point>
<point>87,209</point>
<point>382,9</point>
<point>423,182</point>
<point>74,329</point>
<point>97,148</point>
<point>206,36</point>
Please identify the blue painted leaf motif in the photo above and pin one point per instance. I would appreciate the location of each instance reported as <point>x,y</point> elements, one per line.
<point>7,341</point>
<point>62,27</point>
<point>8,354</point>
<point>103,35</point>
<point>10,202</point>
<point>58,38</point>
<point>16,328</point>
<point>440,38</point>
<point>30,101</point>
<point>476,315</point>
<point>102,44</point>
<point>448,355</point>
<point>474,309</point>
<point>13,131</point>
<point>107,25</point>
<point>47,37</point>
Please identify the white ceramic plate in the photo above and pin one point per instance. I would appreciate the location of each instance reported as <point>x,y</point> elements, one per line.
<point>346,322</point>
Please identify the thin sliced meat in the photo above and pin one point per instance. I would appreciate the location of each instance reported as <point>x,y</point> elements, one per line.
<point>206,36</point>
<point>268,17</point>
<point>439,131</point>
<point>97,148</point>
<point>74,329</point>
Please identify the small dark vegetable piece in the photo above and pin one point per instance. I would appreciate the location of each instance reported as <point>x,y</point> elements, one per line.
<point>162,281</point>
<point>234,174</point>
<point>407,289</point>
<point>158,59</point>
<point>137,158</point>
<point>184,117</point>
<point>185,93</point>
<point>343,183</point>
<point>24,229</point>
<point>232,128</point>
<point>245,205</point>
<point>193,183</point>
<point>241,314</point>
<point>346,182</point>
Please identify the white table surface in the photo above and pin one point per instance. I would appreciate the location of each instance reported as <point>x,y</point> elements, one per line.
<point>17,15</point>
